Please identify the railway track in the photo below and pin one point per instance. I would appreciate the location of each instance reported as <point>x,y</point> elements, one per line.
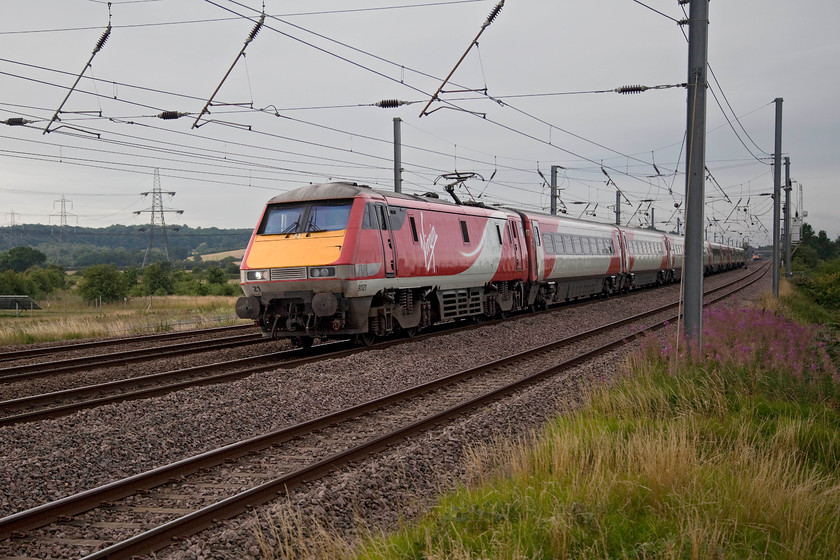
<point>59,403</point>
<point>83,363</point>
<point>75,346</point>
<point>148,511</point>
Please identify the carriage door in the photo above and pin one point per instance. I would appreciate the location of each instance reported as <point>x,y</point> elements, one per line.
<point>538,251</point>
<point>387,240</point>
<point>517,248</point>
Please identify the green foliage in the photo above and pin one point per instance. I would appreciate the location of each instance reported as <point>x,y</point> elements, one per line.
<point>160,279</point>
<point>103,281</point>
<point>132,276</point>
<point>805,257</point>
<point>13,283</point>
<point>817,244</point>
<point>822,284</point>
<point>157,280</point>
<point>215,275</point>
<point>36,282</point>
<point>230,266</point>
<point>19,259</point>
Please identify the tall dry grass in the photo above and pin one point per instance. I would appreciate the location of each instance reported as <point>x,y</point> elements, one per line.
<point>70,318</point>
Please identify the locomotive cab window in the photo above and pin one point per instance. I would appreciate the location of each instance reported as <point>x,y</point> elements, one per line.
<point>369,218</point>
<point>306,217</point>
<point>327,217</point>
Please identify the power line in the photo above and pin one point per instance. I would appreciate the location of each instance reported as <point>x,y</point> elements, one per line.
<point>217,20</point>
<point>663,14</point>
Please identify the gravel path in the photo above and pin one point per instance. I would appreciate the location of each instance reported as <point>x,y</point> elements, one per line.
<point>47,460</point>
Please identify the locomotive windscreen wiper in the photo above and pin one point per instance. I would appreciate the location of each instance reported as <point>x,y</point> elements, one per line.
<point>313,227</point>
<point>290,229</point>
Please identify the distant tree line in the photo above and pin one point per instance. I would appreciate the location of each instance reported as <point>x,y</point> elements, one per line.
<point>107,283</point>
<point>24,271</point>
<point>120,245</point>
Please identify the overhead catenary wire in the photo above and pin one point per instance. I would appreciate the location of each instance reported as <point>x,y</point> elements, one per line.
<point>251,36</point>
<point>490,18</point>
<point>161,115</point>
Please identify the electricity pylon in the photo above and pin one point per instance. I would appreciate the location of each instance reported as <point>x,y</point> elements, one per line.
<point>158,220</point>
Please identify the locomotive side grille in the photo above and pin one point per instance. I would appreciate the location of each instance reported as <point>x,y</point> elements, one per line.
<point>290,273</point>
<point>461,303</point>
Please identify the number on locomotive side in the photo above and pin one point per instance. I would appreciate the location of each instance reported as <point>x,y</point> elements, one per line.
<point>362,287</point>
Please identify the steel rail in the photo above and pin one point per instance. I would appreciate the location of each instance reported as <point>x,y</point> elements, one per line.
<point>323,351</point>
<point>47,350</point>
<point>42,369</point>
<point>84,501</point>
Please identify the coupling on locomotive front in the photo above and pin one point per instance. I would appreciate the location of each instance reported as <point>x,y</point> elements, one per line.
<point>340,260</point>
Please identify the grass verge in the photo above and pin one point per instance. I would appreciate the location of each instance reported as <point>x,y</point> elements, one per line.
<point>67,318</point>
<point>729,451</point>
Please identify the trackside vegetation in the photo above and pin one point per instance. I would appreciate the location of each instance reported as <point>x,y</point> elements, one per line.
<point>732,451</point>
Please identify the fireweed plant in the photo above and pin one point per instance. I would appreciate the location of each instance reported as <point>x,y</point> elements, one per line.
<point>760,346</point>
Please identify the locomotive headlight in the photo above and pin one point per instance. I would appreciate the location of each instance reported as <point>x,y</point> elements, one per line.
<point>322,272</point>
<point>257,275</point>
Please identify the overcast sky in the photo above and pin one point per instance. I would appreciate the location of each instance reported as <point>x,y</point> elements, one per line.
<point>298,107</point>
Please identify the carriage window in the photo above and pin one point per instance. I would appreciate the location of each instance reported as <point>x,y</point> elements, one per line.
<point>413,228</point>
<point>537,234</point>
<point>548,241</point>
<point>464,233</point>
<point>499,233</point>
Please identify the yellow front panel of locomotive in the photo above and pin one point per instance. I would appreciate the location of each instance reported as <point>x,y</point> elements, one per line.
<point>276,251</point>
